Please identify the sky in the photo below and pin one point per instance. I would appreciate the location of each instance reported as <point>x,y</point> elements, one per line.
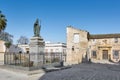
<point>95,16</point>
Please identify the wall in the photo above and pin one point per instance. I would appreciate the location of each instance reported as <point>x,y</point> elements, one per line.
<point>99,45</point>
<point>2,46</point>
<point>76,49</point>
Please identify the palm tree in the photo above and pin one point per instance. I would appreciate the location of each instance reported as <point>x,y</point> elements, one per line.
<point>3,22</point>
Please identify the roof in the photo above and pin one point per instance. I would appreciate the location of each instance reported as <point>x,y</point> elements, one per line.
<point>101,36</point>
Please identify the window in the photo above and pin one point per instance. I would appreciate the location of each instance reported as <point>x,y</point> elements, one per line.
<point>46,50</point>
<point>94,55</point>
<point>51,50</point>
<point>105,41</point>
<point>76,38</point>
<point>27,52</point>
<point>115,54</point>
<point>116,40</point>
<point>94,40</point>
<point>72,48</point>
<point>64,50</point>
<point>57,50</point>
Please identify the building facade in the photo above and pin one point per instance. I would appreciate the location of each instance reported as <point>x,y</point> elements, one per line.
<point>55,47</point>
<point>105,47</point>
<point>2,46</point>
<point>56,50</point>
<point>49,48</point>
<point>83,45</point>
<point>23,48</point>
<point>2,50</point>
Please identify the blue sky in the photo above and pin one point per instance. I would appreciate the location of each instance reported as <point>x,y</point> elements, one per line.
<point>95,16</point>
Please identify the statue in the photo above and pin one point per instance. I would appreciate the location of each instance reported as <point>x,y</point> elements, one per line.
<point>37,28</point>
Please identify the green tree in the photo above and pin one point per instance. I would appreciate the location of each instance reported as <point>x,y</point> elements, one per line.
<point>4,35</point>
<point>3,21</point>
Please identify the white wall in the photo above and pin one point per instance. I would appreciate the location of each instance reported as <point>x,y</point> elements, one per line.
<point>56,47</point>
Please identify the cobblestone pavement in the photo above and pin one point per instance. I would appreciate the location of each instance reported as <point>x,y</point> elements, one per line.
<point>86,72</point>
<point>77,72</point>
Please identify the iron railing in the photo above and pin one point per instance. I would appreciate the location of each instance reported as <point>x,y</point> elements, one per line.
<point>33,60</point>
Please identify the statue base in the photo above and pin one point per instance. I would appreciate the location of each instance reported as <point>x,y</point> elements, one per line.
<point>37,45</point>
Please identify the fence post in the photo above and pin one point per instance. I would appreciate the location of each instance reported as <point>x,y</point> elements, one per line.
<point>10,58</point>
<point>62,56</point>
<point>43,58</point>
<point>20,58</point>
<point>5,58</point>
<point>15,58</point>
<point>29,61</point>
<point>50,57</point>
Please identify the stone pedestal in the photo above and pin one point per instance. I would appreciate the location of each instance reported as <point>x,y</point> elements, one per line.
<point>37,45</point>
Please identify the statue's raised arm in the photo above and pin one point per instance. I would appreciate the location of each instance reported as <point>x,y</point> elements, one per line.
<point>37,28</point>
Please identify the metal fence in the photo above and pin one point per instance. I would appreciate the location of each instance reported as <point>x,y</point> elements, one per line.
<point>33,61</point>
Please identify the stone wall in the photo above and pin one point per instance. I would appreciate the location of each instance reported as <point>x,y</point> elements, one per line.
<point>2,51</point>
<point>99,45</point>
<point>1,57</point>
<point>2,46</point>
<point>77,43</point>
<point>81,45</point>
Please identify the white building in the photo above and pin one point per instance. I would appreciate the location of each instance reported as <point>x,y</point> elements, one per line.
<point>55,47</point>
<point>55,50</point>
<point>51,50</point>
<point>24,48</point>
<point>49,47</point>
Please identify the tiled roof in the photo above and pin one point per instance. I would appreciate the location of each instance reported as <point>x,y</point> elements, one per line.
<point>101,36</point>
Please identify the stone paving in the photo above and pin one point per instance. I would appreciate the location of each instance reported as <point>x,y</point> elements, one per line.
<point>86,72</point>
<point>76,72</point>
<point>6,74</point>
<point>9,75</point>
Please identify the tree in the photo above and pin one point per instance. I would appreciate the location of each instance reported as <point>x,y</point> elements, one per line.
<point>4,35</point>
<point>3,22</point>
<point>7,38</point>
<point>23,40</point>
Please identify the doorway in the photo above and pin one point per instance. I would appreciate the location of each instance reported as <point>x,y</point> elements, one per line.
<point>105,54</point>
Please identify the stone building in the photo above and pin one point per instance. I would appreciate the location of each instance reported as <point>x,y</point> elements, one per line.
<point>2,50</point>
<point>81,45</point>
<point>104,47</point>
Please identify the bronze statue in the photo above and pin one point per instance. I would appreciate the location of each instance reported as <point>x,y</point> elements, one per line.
<point>37,28</point>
